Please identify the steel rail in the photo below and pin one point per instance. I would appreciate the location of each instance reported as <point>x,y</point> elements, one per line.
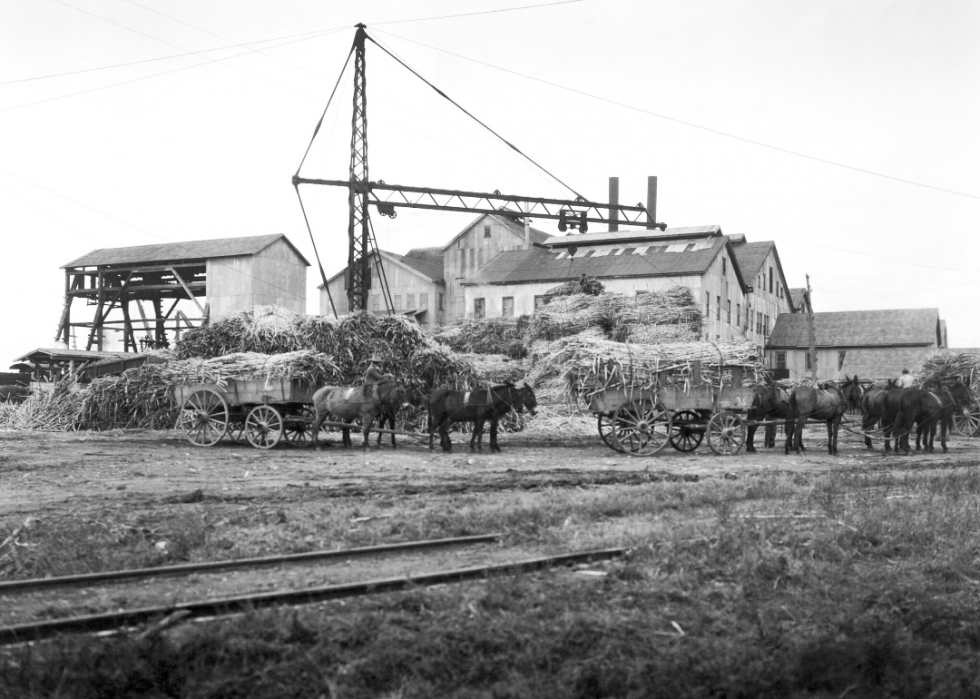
<point>114,621</point>
<point>186,568</point>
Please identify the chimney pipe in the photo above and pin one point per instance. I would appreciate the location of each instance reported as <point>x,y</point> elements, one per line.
<point>651,201</point>
<point>614,201</point>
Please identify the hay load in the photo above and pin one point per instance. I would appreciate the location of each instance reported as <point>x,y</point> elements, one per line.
<point>946,366</point>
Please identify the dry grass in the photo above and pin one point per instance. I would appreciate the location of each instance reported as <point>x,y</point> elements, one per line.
<point>851,584</point>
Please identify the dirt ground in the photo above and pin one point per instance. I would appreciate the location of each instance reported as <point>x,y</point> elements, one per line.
<point>86,476</point>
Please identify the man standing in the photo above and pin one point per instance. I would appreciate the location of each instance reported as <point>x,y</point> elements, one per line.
<point>905,380</point>
<point>374,376</point>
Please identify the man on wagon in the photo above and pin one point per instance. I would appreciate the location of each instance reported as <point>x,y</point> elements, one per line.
<point>374,376</point>
<point>905,380</point>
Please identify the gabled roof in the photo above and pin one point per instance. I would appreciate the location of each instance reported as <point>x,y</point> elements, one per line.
<point>907,327</point>
<point>632,236</point>
<point>536,236</point>
<point>64,355</point>
<point>751,256</point>
<point>427,267</point>
<point>189,250</point>
<point>796,297</point>
<point>603,261</point>
<point>426,253</point>
<point>881,364</point>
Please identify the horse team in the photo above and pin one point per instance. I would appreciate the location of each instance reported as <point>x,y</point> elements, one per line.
<point>445,408</point>
<point>896,411</point>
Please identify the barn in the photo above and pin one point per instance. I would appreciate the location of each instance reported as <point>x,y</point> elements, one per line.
<point>151,290</point>
<point>874,345</point>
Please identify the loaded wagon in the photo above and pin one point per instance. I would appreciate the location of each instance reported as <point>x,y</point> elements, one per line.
<point>675,410</point>
<point>264,411</point>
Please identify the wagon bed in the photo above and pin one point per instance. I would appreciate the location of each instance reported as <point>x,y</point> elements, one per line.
<point>263,411</point>
<point>642,421</point>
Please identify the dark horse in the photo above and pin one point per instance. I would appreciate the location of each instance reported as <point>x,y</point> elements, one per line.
<point>388,411</point>
<point>348,404</point>
<point>929,408</point>
<point>873,408</point>
<point>827,404</point>
<point>770,403</point>
<point>447,407</point>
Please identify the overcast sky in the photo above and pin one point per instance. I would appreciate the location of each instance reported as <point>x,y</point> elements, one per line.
<point>844,131</point>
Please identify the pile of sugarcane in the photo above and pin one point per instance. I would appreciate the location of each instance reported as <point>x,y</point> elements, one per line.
<point>584,285</point>
<point>503,336</point>
<point>946,365</point>
<point>587,365</point>
<point>308,366</point>
<point>56,410</point>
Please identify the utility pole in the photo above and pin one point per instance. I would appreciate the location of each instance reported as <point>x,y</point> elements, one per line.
<point>813,338</point>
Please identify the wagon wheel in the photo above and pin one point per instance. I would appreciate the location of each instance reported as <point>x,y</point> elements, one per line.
<point>688,430</point>
<point>966,420</point>
<point>726,433</point>
<point>264,427</point>
<point>204,417</point>
<point>641,428</point>
<point>606,431</point>
<point>298,430</point>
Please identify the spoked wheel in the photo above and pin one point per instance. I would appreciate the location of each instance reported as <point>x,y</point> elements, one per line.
<point>298,430</point>
<point>688,430</point>
<point>641,428</point>
<point>264,427</point>
<point>726,433</point>
<point>966,420</point>
<point>204,417</point>
<point>606,426</point>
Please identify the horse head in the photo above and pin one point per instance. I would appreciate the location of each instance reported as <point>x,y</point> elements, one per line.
<point>852,391</point>
<point>528,398</point>
<point>960,393</point>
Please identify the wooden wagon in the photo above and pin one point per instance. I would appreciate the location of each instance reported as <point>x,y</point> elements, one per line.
<point>675,411</point>
<point>263,411</point>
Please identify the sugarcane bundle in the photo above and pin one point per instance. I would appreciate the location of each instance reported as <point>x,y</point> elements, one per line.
<point>588,365</point>
<point>308,366</point>
<point>56,410</point>
<point>944,366</point>
<point>584,285</point>
<point>140,397</point>
<point>495,369</point>
<point>485,336</point>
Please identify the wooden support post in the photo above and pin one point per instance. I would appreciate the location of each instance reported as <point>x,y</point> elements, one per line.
<point>160,336</point>
<point>129,337</point>
<point>190,294</point>
<point>97,325</point>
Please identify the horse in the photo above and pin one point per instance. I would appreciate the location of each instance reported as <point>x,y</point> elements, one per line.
<point>828,404</point>
<point>872,407</point>
<point>447,406</point>
<point>770,402</point>
<point>348,404</point>
<point>415,398</point>
<point>917,407</point>
<point>948,399</point>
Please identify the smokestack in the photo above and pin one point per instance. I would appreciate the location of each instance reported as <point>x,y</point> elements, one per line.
<point>651,201</point>
<point>614,201</point>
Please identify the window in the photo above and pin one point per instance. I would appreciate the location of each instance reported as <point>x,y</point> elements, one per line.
<point>375,302</point>
<point>770,280</point>
<point>442,297</point>
<point>507,307</point>
<point>410,302</point>
<point>539,301</point>
<point>738,315</point>
<point>424,300</point>
<point>479,308</point>
<point>728,313</point>
<point>718,308</point>
<point>780,360</point>
<point>724,267</point>
<point>398,301</point>
<point>486,231</point>
<point>840,359</point>
<point>758,322</point>
<point>707,304</point>
<point>809,364</point>
<point>765,327</point>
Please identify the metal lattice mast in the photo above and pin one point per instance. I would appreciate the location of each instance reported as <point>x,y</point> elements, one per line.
<point>358,231</point>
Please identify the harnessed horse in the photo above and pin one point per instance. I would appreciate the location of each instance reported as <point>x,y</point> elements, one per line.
<point>348,404</point>
<point>447,407</point>
<point>827,404</point>
<point>770,402</point>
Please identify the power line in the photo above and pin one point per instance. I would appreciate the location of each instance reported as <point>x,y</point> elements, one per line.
<point>156,75</point>
<point>485,12</point>
<point>717,132</point>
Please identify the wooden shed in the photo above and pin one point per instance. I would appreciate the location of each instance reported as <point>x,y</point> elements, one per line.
<point>158,288</point>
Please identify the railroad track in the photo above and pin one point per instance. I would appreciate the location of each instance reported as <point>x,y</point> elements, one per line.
<point>160,616</point>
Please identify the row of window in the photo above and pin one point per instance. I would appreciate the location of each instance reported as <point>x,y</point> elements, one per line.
<point>762,320</point>
<point>396,301</point>
<point>810,360</point>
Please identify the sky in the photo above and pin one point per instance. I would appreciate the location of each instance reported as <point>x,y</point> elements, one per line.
<point>845,132</point>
